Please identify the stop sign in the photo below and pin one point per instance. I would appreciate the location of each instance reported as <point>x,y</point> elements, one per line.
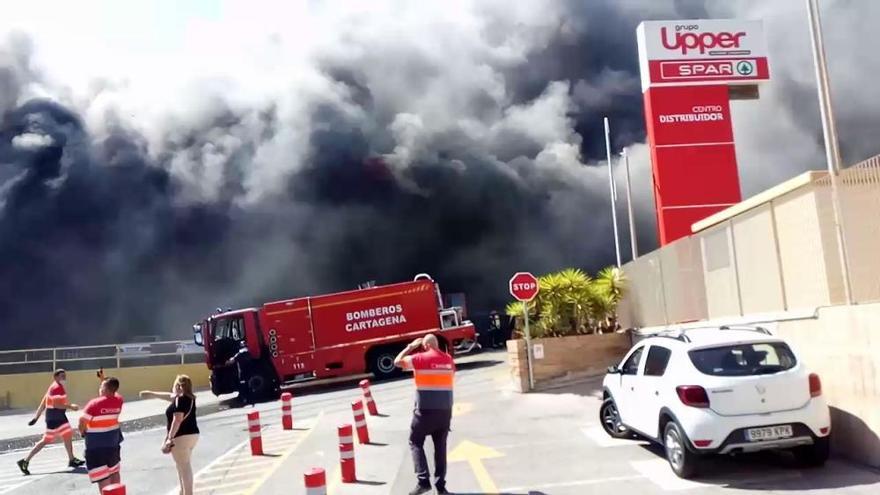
<point>523,286</point>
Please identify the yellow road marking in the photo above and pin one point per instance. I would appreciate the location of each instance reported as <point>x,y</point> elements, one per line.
<point>226,476</point>
<point>225,485</point>
<point>260,482</point>
<point>241,462</point>
<point>474,454</point>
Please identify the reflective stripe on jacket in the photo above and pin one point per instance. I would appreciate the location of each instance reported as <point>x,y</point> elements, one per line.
<point>434,374</point>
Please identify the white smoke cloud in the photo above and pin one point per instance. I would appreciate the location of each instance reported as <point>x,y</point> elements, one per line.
<point>32,141</point>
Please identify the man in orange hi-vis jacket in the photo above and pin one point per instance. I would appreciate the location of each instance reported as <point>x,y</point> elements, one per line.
<point>434,374</point>
<point>56,405</point>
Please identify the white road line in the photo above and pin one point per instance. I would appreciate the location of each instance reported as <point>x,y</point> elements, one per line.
<point>597,435</point>
<point>659,472</point>
<point>52,460</point>
<point>213,463</point>
<point>8,489</point>
<point>562,484</point>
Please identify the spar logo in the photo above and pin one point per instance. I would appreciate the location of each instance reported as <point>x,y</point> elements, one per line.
<point>745,68</point>
<point>687,38</point>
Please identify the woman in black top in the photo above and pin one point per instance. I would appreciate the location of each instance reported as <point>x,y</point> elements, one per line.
<point>183,431</point>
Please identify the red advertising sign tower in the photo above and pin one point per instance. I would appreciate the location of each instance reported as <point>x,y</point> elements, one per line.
<point>687,70</point>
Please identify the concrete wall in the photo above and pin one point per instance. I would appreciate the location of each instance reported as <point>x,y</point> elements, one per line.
<point>798,227</point>
<point>582,355</point>
<point>719,262</point>
<point>860,205</point>
<point>757,260</point>
<point>842,345</point>
<point>643,300</point>
<point>683,283</point>
<point>26,390</point>
<point>777,251</point>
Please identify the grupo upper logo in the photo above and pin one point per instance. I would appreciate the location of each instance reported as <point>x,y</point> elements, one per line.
<point>687,37</point>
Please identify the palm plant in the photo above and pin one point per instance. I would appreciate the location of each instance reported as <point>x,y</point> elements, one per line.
<point>515,311</point>
<point>610,286</point>
<point>570,302</point>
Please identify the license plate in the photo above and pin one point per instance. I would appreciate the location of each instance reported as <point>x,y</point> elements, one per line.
<point>768,433</point>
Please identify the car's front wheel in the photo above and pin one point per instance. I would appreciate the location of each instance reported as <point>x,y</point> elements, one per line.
<point>814,455</point>
<point>610,418</point>
<point>683,461</point>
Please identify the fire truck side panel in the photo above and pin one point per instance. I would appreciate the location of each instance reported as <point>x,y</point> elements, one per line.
<point>287,326</point>
<point>375,313</point>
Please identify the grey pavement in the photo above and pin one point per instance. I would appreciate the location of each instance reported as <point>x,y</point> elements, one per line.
<point>502,442</point>
<point>136,414</point>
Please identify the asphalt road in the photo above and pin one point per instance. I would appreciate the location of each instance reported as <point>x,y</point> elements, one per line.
<point>502,442</point>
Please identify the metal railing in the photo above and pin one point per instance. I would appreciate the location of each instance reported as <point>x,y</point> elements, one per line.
<point>99,356</point>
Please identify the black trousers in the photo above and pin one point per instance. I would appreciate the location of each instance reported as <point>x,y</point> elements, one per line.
<point>433,423</point>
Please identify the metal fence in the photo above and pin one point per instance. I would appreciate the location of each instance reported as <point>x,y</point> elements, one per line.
<point>778,253</point>
<point>100,356</point>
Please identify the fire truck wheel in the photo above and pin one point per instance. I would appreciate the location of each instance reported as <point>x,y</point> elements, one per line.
<point>381,362</point>
<point>258,386</point>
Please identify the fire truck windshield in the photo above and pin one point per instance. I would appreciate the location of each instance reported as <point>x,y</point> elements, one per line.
<point>228,328</point>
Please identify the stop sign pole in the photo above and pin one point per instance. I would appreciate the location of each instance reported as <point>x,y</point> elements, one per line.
<point>524,288</point>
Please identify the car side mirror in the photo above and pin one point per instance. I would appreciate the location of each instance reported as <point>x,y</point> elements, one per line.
<point>613,370</point>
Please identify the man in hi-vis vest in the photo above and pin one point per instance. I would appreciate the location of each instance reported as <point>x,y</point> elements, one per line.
<point>434,373</point>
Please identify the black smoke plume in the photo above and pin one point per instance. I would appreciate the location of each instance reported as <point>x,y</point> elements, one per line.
<point>467,153</point>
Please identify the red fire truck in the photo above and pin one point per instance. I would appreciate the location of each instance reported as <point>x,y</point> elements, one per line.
<point>333,335</point>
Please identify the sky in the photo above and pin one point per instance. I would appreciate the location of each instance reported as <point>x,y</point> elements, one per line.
<point>159,159</point>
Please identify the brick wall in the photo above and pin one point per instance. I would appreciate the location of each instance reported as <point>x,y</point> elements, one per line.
<point>582,355</point>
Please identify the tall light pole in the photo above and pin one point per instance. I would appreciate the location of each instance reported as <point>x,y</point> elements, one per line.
<point>829,131</point>
<point>629,208</point>
<point>613,190</point>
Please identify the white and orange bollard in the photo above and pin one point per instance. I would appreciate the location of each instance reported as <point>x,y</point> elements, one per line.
<point>368,398</point>
<point>286,411</point>
<point>346,454</point>
<point>255,433</point>
<point>114,489</point>
<point>316,482</point>
<point>360,422</point>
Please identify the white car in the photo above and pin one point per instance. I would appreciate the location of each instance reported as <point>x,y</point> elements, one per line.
<point>720,390</point>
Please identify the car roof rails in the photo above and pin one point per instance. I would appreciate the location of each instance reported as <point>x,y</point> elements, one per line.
<point>746,328</point>
<point>679,335</point>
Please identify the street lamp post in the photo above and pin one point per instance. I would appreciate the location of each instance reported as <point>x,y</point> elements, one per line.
<point>629,208</point>
<point>829,131</point>
<point>613,190</point>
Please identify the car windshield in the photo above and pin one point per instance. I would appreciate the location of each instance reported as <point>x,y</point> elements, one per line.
<point>744,359</point>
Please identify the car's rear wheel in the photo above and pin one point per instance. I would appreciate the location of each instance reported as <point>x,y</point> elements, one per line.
<point>610,418</point>
<point>683,461</point>
<point>814,455</point>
